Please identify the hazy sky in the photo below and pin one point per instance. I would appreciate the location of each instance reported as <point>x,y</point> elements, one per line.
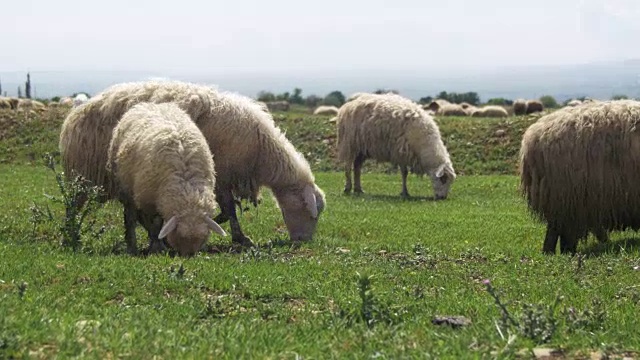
<point>215,36</point>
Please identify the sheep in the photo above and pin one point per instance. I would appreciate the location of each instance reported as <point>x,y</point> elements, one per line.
<point>534,106</point>
<point>470,109</point>
<point>28,104</point>
<point>520,107</point>
<point>163,166</point>
<point>326,110</point>
<point>574,102</point>
<point>436,104</point>
<point>66,101</point>
<point>465,105</point>
<point>14,102</point>
<point>80,99</point>
<point>249,150</point>
<point>5,103</point>
<point>390,128</point>
<point>356,95</point>
<point>490,111</point>
<point>579,169</point>
<point>451,110</point>
<point>278,106</point>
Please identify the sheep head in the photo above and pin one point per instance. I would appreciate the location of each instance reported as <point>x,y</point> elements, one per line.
<point>442,178</point>
<point>301,209</point>
<point>188,233</point>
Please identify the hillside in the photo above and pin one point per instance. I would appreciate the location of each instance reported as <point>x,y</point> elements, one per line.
<point>477,146</point>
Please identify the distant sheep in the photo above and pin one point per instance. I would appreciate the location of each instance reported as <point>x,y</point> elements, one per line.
<point>574,102</point>
<point>493,111</point>
<point>14,102</point>
<point>451,110</point>
<point>66,101</point>
<point>5,103</point>
<point>163,166</point>
<point>534,106</point>
<point>249,150</point>
<point>579,171</point>
<point>29,104</point>
<point>278,106</point>
<point>520,107</point>
<point>436,104</point>
<point>465,105</point>
<point>80,99</point>
<point>326,110</point>
<point>389,128</point>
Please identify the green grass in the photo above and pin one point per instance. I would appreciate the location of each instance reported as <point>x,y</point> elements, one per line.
<point>426,259</point>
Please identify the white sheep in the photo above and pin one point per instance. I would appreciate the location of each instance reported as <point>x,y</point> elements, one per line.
<point>391,128</point>
<point>325,110</point>
<point>249,150</point>
<point>163,166</point>
<point>80,99</point>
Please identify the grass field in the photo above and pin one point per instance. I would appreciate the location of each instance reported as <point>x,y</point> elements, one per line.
<point>370,285</point>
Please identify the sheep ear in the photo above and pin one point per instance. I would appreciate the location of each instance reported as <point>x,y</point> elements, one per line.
<point>440,170</point>
<point>310,201</point>
<point>168,227</point>
<point>214,226</point>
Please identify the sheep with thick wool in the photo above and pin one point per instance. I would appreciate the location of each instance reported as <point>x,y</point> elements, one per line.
<point>249,150</point>
<point>579,171</point>
<point>490,111</point>
<point>390,128</point>
<point>534,106</point>
<point>162,165</point>
<point>325,110</point>
<point>520,107</point>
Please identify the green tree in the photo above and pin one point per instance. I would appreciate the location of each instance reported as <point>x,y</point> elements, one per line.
<point>312,100</point>
<point>549,101</point>
<point>425,100</point>
<point>296,98</point>
<point>335,98</point>
<point>266,96</point>
<point>619,97</point>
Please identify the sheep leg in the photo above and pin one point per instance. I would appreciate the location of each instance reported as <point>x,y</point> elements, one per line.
<point>357,170</point>
<point>153,224</point>
<point>568,244</point>
<point>550,241</point>
<point>347,175</point>
<point>221,218</point>
<point>130,222</point>
<point>404,171</point>
<point>228,206</point>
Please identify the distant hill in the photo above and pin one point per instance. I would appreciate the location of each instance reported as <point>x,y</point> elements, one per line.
<point>596,80</point>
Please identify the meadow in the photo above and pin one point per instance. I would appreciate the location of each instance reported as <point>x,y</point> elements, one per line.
<point>383,278</point>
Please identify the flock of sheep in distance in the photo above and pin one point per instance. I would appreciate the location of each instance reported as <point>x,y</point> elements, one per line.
<point>172,152</point>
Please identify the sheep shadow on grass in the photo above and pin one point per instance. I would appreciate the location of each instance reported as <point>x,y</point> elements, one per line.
<point>594,248</point>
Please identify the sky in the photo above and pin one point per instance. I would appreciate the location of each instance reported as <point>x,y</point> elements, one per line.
<point>215,36</point>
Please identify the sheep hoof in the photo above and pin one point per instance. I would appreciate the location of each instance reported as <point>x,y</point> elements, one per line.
<point>347,190</point>
<point>156,247</point>
<point>358,191</point>
<point>405,195</point>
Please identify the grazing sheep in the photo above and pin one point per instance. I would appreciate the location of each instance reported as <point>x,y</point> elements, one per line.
<point>534,106</point>
<point>579,171</point>
<point>14,102</point>
<point>520,107</point>
<point>5,103</point>
<point>80,99</point>
<point>66,101</point>
<point>390,128</point>
<point>278,106</point>
<point>451,110</point>
<point>574,102</point>
<point>470,109</point>
<point>249,150</point>
<point>436,104</point>
<point>163,166</point>
<point>28,104</point>
<point>465,105</point>
<point>490,111</point>
<point>326,110</point>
